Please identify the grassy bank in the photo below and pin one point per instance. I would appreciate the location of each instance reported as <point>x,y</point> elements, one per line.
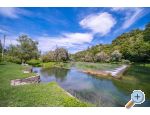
<point>65,65</point>
<point>49,94</point>
<point>96,66</point>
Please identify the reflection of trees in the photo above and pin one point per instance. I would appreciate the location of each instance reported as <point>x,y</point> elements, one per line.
<point>136,77</point>
<point>59,73</point>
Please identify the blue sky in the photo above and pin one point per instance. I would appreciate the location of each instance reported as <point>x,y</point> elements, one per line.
<point>71,28</point>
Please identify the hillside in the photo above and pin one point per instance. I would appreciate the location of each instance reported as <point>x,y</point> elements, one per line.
<point>133,46</point>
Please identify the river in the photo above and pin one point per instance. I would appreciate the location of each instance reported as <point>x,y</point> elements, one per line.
<point>85,87</point>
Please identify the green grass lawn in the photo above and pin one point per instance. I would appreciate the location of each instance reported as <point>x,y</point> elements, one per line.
<point>46,94</point>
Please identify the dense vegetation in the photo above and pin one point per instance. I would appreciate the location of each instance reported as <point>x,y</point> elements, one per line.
<point>133,46</point>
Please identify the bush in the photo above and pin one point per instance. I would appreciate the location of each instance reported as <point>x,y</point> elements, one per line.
<point>125,61</point>
<point>13,59</point>
<point>34,62</point>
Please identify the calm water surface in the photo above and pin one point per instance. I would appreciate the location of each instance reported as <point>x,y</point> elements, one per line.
<point>101,92</point>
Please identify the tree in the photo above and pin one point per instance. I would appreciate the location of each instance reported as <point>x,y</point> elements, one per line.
<point>61,54</point>
<point>116,56</point>
<point>147,32</point>
<point>102,57</point>
<point>89,57</point>
<point>27,48</point>
<point>49,56</point>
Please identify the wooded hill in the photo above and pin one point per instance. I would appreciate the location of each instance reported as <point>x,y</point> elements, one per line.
<point>133,46</point>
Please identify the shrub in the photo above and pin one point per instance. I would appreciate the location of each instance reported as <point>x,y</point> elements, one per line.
<point>13,59</point>
<point>125,61</point>
<point>34,62</point>
<point>116,56</point>
<point>102,57</point>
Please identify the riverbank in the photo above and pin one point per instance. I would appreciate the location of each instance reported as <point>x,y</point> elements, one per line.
<point>48,94</point>
<point>102,69</point>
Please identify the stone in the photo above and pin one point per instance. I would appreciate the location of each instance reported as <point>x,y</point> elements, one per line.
<point>29,80</point>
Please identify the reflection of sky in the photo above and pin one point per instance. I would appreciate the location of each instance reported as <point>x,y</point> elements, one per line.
<point>90,88</point>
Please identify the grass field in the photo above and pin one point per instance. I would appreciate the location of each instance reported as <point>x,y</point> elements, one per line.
<point>49,94</point>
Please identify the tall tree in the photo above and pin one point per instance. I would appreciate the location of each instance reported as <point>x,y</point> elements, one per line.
<point>116,56</point>
<point>27,48</point>
<point>61,54</point>
<point>102,57</point>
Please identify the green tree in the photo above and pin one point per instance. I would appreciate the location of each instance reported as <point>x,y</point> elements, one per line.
<point>116,56</point>
<point>102,57</point>
<point>27,48</point>
<point>61,54</point>
<point>89,57</point>
<point>49,56</point>
<point>147,32</point>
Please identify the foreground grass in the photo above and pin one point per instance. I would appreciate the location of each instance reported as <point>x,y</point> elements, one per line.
<point>31,95</point>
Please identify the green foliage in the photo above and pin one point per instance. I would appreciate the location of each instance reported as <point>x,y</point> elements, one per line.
<point>102,57</point>
<point>96,66</point>
<point>125,61</point>
<point>88,57</point>
<point>12,59</point>
<point>66,65</point>
<point>147,33</point>
<point>47,57</point>
<point>24,51</point>
<point>59,55</point>
<point>27,48</point>
<point>34,62</point>
<point>116,56</point>
<point>133,46</point>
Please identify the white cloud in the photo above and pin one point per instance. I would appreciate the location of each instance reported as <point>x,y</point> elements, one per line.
<point>75,41</point>
<point>132,18</point>
<point>101,23</point>
<point>67,40</point>
<point>3,31</point>
<point>131,15</point>
<point>118,8</point>
<point>13,12</point>
<point>9,40</point>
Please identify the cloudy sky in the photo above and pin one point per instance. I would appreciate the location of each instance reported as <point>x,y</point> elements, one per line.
<point>71,28</point>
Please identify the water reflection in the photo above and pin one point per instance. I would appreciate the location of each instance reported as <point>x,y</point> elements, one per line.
<point>101,92</point>
<point>59,73</point>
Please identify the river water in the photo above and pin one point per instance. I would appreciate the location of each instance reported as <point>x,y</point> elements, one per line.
<point>85,87</point>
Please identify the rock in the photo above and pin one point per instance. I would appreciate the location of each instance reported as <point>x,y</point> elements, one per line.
<point>29,80</point>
